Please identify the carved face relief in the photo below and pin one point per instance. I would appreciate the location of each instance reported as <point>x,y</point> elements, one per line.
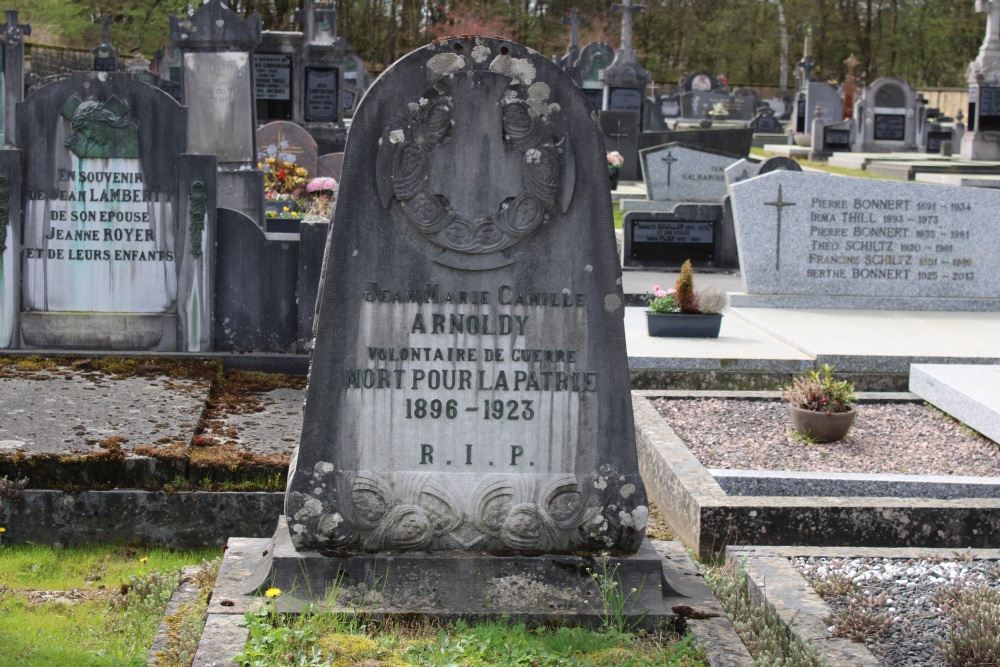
<point>101,129</point>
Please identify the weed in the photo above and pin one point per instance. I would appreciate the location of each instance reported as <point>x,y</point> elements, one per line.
<point>974,636</point>
<point>835,584</point>
<point>863,620</point>
<point>617,603</point>
<point>759,626</point>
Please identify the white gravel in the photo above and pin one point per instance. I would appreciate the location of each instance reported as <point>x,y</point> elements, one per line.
<point>912,587</point>
<point>901,438</point>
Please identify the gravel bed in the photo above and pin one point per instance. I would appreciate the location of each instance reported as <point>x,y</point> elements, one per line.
<point>912,589</point>
<point>900,438</point>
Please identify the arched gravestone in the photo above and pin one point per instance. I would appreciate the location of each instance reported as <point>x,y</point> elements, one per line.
<point>469,384</point>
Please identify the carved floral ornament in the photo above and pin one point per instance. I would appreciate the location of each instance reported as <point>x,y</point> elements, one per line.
<point>547,165</point>
<point>414,511</point>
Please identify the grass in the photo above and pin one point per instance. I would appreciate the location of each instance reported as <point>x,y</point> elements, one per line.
<point>320,638</point>
<point>88,606</point>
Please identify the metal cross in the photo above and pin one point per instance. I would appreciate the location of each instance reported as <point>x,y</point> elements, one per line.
<point>105,21</point>
<point>15,31</point>
<point>574,21</point>
<point>627,9</point>
<point>670,159</point>
<point>779,204</point>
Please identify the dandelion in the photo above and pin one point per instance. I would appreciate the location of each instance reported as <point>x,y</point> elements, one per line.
<point>272,592</point>
<point>143,559</point>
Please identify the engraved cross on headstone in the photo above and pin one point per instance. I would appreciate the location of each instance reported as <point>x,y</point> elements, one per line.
<point>617,136</point>
<point>669,159</point>
<point>574,21</point>
<point>15,31</point>
<point>627,9</point>
<point>779,204</point>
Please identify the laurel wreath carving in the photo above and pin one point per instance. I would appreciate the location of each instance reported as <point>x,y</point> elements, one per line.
<point>542,157</point>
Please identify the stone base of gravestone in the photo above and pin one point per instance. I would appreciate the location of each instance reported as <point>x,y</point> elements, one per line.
<point>99,331</point>
<point>981,146</point>
<point>241,190</point>
<point>462,585</point>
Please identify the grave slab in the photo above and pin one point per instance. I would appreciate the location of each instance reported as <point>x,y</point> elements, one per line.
<point>907,171</point>
<point>969,393</point>
<point>960,180</point>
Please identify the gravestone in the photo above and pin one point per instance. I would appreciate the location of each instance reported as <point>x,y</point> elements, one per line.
<point>777,163</point>
<point>452,305</point>
<point>670,106</point>
<point>621,133</point>
<point>982,140</point>
<point>216,53</point>
<point>741,170</point>
<point>625,78</point>
<point>290,143</point>
<point>331,164</point>
<point>865,244</point>
<point>469,387</point>
<point>699,81</point>
<point>765,122</point>
<point>887,116</point>
<point>594,59</point>
<point>117,251</point>
<point>678,173</point>
<point>273,76</point>
<point>818,94</point>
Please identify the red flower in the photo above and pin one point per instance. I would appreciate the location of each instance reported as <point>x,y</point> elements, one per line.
<point>281,174</point>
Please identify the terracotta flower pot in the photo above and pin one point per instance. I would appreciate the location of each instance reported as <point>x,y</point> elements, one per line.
<point>820,426</point>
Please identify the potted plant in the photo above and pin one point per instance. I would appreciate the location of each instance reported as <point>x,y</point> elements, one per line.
<point>821,406</point>
<point>615,162</point>
<point>683,312</point>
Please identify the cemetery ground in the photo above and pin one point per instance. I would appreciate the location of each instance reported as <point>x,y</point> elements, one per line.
<point>240,410</point>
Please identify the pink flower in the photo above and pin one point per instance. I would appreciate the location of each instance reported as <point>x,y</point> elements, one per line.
<point>322,184</point>
<point>657,288</point>
<point>659,293</point>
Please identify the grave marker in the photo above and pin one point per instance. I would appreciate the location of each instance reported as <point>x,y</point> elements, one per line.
<point>805,241</point>
<point>676,172</point>
<point>469,386</point>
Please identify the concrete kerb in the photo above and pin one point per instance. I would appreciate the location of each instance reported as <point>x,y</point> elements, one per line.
<point>707,519</point>
<point>772,579</point>
<point>239,579</point>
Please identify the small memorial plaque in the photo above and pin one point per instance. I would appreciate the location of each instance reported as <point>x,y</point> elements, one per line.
<point>672,242</point>
<point>625,99</point>
<point>836,138</point>
<point>273,76</point>
<point>989,101</point>
<point>890,127</point>
<point>321,94</point>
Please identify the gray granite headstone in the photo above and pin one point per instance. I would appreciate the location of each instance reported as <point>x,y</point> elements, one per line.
<point>289,142</point>
<point>331,165</point>
<point>676,172</point>
<point>741,170</point>
<point>815,240</point>
<point>733,140</point>
<point>469,385</point>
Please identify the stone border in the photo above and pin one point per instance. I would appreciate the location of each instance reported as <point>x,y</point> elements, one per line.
<point>771,578</point>
<point>181,519</point>
<point>244,571</point>
<point>707,520</point>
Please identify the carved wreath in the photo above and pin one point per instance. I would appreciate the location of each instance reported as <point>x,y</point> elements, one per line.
<point>544,159</point>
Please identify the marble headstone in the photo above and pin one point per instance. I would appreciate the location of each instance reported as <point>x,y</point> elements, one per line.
<point>676,172</point>
<point>807,242</point>
<point>741,170</point>
<point>469,385</point>
<point>290,143</point>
